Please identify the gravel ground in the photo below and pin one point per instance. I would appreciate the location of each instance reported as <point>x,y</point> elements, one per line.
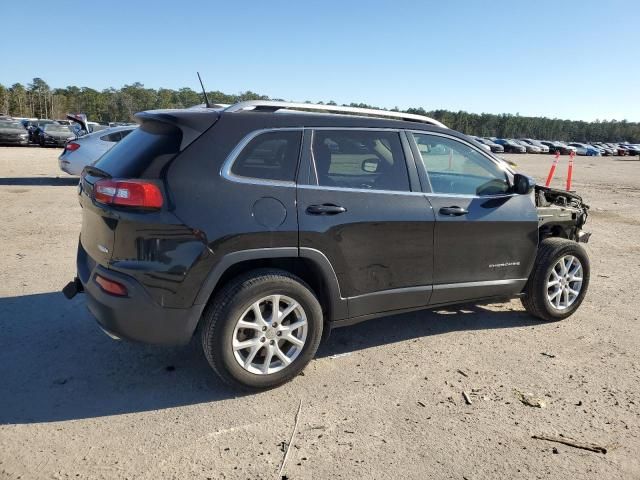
<point>382,399</point>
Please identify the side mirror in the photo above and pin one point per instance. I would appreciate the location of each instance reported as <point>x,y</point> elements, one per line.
<point>522,184</point>
<point>370,165</point>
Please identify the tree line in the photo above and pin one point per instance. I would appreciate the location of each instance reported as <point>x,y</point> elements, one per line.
<point>38,100</point>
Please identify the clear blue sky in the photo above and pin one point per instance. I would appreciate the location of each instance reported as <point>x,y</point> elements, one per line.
<point>576,59</point>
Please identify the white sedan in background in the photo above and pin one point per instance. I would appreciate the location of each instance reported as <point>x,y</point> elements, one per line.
<point>85,150</point>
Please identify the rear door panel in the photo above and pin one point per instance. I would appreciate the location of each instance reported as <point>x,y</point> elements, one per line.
<point>380,247</point>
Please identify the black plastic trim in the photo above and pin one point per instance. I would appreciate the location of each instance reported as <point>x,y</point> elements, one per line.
<point>389,300</point>
<point>236,257</point>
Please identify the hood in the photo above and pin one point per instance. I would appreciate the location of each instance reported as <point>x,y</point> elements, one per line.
<point>12,131</point>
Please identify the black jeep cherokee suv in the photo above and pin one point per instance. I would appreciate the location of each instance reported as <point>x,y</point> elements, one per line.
<point>265,223</point>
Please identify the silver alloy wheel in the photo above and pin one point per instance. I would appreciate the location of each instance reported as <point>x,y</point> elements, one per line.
<point>564,282</point>
<point>270,334</point>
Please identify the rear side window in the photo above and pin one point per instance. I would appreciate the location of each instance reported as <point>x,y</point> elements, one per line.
<point>362,159</point>
<point>270,156</point>
<point>151,142</point>
<point>111,137</point>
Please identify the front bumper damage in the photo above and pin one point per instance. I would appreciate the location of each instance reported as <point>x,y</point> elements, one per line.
<point>561,214</point>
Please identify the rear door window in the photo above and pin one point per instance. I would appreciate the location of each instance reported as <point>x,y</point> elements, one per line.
<point>360,159</point>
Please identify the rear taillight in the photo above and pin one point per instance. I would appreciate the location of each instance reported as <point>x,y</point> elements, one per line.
<point>128,193</point>
<point>111,287</point>
<point>72,146</point>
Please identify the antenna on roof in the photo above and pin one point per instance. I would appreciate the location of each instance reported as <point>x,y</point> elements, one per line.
<point>204,92</point>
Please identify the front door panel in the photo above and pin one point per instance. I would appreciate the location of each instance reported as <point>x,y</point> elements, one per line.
<point>485,236</point>
<point>487,252</point>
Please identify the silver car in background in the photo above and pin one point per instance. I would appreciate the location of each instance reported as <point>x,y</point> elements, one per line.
<point>536,143</point>
<point>86,150</point>
<point>530,147</point>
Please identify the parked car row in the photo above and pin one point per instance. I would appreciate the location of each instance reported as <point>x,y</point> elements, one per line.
<point>530,145</point>
<point>44,132</point>
<point>80,148</point>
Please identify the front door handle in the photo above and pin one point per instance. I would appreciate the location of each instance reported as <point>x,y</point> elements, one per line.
<point>454,211</point>
<point>325,209</point>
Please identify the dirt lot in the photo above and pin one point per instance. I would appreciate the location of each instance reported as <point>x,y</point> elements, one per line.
<point>382,399</point>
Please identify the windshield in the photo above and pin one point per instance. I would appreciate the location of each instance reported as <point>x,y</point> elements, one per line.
<point>54,127</point>
<point>12,125</point>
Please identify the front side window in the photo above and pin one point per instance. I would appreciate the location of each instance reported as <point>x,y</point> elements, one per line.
<point>456,168</point>
<point>270,156</point>
<point>362,159</point>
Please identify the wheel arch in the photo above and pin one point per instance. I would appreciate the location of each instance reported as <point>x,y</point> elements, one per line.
<point>310,265</point>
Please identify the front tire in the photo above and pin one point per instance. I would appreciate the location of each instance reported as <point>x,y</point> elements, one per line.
<point>559,280</point>
<point>262,329</point>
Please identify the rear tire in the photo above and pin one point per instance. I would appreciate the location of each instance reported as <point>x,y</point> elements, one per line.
<point>248,344</point>
<point>559,280</point>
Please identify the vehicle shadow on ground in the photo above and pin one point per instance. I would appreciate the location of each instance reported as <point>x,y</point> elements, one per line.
<point>55,364</point>
<point>398,328</point>
<point>39,181</point>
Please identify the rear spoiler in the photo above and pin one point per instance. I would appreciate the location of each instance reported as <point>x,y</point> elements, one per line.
<point>191,122</point>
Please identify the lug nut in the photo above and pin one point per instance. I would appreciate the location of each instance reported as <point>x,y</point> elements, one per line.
<point>262,339</point>
<point>264,329</point>
<point>271,342</point>
<point>275,324</point>
<point>279,334</point>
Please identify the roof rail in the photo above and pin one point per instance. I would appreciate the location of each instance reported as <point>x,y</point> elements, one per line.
<point>272,106</point>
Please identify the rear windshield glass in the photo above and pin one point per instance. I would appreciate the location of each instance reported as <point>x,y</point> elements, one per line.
<point>54,127</point>
<point>135,153</point>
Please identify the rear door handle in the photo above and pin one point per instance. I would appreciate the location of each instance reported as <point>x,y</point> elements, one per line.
<point>453,211</point>
<point>325,209</point>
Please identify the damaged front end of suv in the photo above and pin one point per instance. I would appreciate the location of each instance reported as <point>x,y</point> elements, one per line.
<point>561,214</point>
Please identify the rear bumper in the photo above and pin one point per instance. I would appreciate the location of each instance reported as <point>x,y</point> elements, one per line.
<point>66,166</point>
<point>137,316</point>
<point>54,142</point>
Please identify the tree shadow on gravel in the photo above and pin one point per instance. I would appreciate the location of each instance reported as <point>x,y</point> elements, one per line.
<point>39,181</point>
<point>55,363</point>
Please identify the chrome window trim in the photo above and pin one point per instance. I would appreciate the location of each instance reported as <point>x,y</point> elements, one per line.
<point>468,195</point>
<point>347,189</point>
<point>367,190</point>
<point>227,165</point>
